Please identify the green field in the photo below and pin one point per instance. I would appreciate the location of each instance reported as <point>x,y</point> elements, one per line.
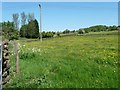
<point>67,62</point>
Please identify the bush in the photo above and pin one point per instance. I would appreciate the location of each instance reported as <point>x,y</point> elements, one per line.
<point>81,31</point>
<point>66,31</point>
<point>47,34</point>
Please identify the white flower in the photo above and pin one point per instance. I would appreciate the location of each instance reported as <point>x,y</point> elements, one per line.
<point>38,50</point>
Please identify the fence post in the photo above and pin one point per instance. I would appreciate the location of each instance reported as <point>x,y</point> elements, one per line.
<point>16,56</point>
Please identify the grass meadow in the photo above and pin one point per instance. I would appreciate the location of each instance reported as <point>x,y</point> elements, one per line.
<point>67,62</point>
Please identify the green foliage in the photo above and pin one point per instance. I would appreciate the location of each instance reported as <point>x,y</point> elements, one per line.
<point>96,28</point>
<point>58,34</point>
<point>47,34</point>
<point>111,28</point>
<point>30,30</point>
<point>27,53</point>
<point>66,31</point>
<point>99,28</point>
<point>14,35</point>
<point>81,31</point>
<point>23,31</point>
<point>9,31</point>
<point>73,31</point>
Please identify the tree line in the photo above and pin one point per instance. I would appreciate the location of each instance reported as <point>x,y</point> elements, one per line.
<point>30,28</point>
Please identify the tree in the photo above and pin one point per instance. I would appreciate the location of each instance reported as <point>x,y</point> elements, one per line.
<point>111,28</point>
<point>23,18</point>
<point>36,30</point>
<point>66,31</point>
<point>23,31</point>
<point>47,34</point>
<point>15,20</point>
<point>96,28</point>
<point>31,30</point>
<point>73,31</point>
<point>9,31</point>
<point>81,31</point>
<point>43,34</point>
<point>58,34</point>
<point>30,17</point>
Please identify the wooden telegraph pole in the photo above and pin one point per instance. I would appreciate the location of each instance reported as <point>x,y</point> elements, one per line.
<point>40,23</point>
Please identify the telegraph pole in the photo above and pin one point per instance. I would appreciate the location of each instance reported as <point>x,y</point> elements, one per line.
<point>40,37</point>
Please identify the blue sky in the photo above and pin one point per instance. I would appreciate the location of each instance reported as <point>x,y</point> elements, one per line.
<point>58,16</point>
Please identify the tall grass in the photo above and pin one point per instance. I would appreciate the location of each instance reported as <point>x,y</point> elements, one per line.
<point>68,62</point>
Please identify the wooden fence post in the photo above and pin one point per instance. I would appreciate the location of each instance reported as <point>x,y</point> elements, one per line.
<point>16,56</point>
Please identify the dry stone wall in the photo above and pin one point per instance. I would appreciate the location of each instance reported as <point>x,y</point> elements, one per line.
<point>5,63</point>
